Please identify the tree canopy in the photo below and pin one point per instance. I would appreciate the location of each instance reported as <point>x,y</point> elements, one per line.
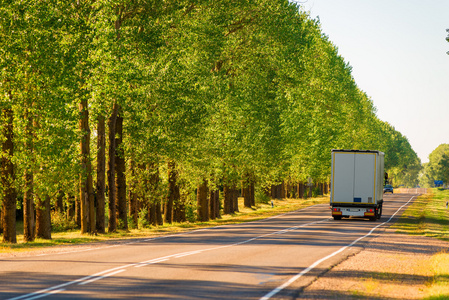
<point>192,91</point>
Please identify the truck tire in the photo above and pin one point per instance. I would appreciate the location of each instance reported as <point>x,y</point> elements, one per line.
<point>337,218</point>
<point>379,214</point>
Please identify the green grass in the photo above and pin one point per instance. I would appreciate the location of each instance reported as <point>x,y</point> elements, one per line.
<point>439,285</point>
<point>73,237</point>
<point>427,216</point>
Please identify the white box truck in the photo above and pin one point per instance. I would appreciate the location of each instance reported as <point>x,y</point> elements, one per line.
<point>357,184</point>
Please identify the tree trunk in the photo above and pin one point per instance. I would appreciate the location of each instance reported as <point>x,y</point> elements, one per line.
<point>235,199</point>
<point>246,191</point>
<point>70,206</point>
<point>101,176</point>
<point>273,191</point>
<point>160,219</point>
<point>252,192</point>
<point>133,196</point>
<point>282,190</point>
<point>172,192</point>
<point>59,204</point>
<point>120,179</point>
<point>302,193</point>
<point>91,199</point>
<point>179,207</point>
<point>7,179</point>
<point>152,216</point>
<point>227,200</point>
<point>43,218</point>
<point>29,225</point>
<point>203,202</point>
<point>214,204</point>
<point>155,209</point>
<point>112,223</point>
<point>77,205</point>
<point>151,179</point>
<point>86,184</point>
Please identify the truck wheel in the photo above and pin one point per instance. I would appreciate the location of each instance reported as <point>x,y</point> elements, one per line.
<point>337,218</point>
<point>379,214</point>
<point>372,218</point>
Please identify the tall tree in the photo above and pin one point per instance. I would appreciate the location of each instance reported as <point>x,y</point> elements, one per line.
<point>120,180</point>
<point>88,213</point>
<point>7,189</point>
<point>29,225</point>
<point>112,189</point>
<point>101,178</point>
<point>203,202</point>
<point>173,192</point>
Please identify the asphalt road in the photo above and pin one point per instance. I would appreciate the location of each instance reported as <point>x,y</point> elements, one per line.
<point>273,258</point>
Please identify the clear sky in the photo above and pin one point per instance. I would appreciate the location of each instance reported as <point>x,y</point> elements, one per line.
<point>397,50</point>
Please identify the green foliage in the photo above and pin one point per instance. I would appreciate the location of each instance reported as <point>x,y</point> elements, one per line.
<point>224,88</point>
<point>142,219</point>
<point>261,197</point>
<point>60,222</point>
<point>438,166</point>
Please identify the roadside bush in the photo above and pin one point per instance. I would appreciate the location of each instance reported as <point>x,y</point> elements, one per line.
<point>59,222</point>
<point>261,197</point>
<point>142,219</point>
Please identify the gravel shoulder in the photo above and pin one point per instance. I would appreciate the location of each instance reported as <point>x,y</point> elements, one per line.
<point>391,266</point>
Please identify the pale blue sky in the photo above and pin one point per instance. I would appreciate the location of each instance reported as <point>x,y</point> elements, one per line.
<point>397,50</point>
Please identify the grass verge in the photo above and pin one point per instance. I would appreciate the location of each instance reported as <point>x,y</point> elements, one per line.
<point>261,211</point>
<point>429,216</point>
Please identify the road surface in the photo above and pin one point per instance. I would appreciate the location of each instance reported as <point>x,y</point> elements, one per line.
<point>269,259</point>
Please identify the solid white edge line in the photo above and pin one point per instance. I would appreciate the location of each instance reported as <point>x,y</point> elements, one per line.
<point>312,266</point>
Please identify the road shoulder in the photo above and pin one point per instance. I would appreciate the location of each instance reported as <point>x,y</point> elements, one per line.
<point>391,266</point>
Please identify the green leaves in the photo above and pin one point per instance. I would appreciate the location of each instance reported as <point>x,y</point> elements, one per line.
<point>221,87</point>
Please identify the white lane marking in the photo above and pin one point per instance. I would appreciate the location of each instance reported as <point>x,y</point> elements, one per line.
<point>169,236</point>
<point>188,253</point>
<point>54,289</point>
<point>150,262</point>
<point>97,276</point>
<point>46,294</point>
<point>88,278</point>
<point>101,277</point>
<point>312,266</point>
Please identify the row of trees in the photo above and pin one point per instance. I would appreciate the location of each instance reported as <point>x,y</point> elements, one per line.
<point>111,110</point>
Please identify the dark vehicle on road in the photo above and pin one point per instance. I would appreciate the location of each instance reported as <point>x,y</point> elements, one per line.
<point>388,189</point>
